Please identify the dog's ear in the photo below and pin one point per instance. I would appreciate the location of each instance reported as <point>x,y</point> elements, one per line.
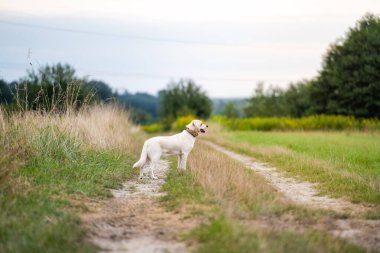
<point>191,125</point>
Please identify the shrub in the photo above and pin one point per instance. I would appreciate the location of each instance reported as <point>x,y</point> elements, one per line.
<point>315,122</point>
<point>180,123</point>
<point>153,128</point>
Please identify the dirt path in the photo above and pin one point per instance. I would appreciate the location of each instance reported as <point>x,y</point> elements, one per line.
<point>133,221</point>
<point>362,232</point>
<point>300,192</point>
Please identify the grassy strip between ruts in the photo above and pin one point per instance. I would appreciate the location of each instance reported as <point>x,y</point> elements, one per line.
<point>234,195</point>
<point>344,164</point>
<point>40,199</point>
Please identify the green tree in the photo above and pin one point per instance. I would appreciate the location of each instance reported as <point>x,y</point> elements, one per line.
<point>142,106</point>
<point>297,99</point>
<point>255,104</point>
<point>5,92</point>
<point>230,110</point>
<point>101,90</point>
<point>349,82</point>
<point>140,100</point>
<point>51,88</point>
<point>268,103</point>
<point>183,98</point>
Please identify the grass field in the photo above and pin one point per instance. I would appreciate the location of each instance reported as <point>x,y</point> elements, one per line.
<point>231,197</point>
<point>345,164</point>
<point>51,165</point>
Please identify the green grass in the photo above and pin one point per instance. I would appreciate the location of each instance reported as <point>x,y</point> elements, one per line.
<point>225,236</point>
<point>182,188</point>
<point>249,193</point>
<point>35,222</point>
<point>345,164</point>
<point>360,152</point>
<point>91,174</point>
<point>226,233</point>
<point>36,211</point>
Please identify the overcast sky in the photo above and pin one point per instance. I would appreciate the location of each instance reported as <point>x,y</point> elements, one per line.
<point>140,45</point>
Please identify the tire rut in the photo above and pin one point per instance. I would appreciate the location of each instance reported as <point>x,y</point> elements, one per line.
<point>358,231</point>
<point>133,221</point>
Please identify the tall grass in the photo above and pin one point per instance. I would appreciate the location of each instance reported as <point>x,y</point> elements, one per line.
<point>50,158</point>
<point>51,98</point>
<point>31,135</point>
<point>230,182</point>
<point>315,122</point>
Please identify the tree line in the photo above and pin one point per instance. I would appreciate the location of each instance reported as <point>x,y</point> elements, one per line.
<point>57,88</point>
<point>54,88</point>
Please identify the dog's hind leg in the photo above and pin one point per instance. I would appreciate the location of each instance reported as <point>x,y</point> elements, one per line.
<point>152,167</point>
<point>141,172</point>
<point>154,155</point>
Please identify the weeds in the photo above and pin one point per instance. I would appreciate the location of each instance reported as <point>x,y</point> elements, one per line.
<point>55,98</point>
<point>81,154</point>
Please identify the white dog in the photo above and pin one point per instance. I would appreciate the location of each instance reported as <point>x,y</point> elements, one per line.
<point>178,144</point>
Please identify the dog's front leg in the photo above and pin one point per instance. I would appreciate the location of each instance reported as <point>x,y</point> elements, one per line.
<point>182,166</point>
<point>179,161</point>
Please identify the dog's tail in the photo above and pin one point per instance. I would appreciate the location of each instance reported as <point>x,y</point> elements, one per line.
<point>143,158</point>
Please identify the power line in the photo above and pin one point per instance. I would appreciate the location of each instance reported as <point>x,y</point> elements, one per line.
<point>147,75</point>
<point>167,76</point>
<point>134,37</point>
<point>123,36</point>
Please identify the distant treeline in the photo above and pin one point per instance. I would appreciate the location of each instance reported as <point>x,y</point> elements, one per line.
<point>57,87</point>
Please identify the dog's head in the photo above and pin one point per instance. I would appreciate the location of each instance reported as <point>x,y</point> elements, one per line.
<point>197,126</point>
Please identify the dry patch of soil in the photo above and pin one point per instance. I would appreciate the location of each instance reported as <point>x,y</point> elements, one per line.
<point>133,221</point>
